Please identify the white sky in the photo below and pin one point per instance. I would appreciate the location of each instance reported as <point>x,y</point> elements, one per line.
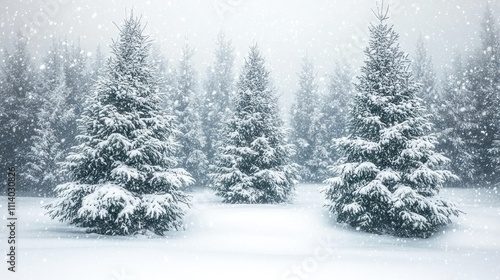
<point>327,30</point>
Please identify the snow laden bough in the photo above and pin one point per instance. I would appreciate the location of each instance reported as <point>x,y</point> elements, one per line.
<point>123,175</point>
<point>254,162</point>
<point>390,175</point>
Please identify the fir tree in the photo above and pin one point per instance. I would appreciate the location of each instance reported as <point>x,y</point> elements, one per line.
<point>253,164</point>
<point>390,175</point>
<point>484,87</point>
<point>333,117</point>
<point>187,108</point>
<point>453,124</point>
<point>55,123</point>
<point>18,114</point>
<point>218,94</point>
<point>123,179</point>
<point>424,75</point>
<point>77,78</point>
<point>304,113</point>
<point>165,75</point>
<point>49,146</point>
<point>96,66</point>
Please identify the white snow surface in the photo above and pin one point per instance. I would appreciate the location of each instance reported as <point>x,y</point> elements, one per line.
<point>287,241</point>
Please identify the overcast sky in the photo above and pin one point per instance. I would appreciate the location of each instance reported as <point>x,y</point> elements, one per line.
<point>327,30</point>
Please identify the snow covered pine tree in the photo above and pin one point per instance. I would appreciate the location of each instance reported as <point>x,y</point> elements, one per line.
<point>122,170</point>
<point>253,164</point>
<point>305,128</point>
<point>390,175</point>
<point>219,88</point>
<point>187,109</point>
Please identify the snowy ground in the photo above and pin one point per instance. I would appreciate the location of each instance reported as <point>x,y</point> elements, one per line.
<point>296,241</point>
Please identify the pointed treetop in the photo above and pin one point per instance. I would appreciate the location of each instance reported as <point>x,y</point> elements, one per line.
<point>381,13</point>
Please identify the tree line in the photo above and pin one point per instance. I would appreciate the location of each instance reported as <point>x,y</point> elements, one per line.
<point>119,138</point>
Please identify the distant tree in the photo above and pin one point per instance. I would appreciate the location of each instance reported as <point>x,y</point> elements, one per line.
<point>123,178</point>
<point>305,119</point>
<point>253,164</point>
<point>187,107</point>
<point>77,76</point>
<point>18,109</point>
<point>453,124</point>
<point>390,175</point>
<point>166,77</point>
<point>97,65</point>
<point>49,147</point>
<point>424,74</point>
<point>55,123</point>
<point>219,88</point>
<point>334,115</point>
<point>484,87</point>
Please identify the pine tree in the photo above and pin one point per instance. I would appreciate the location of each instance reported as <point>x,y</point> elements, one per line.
<point>17,118</point>
<point>219,89</point>
<point>49,146</point>
<point>390,176</point>
<point>424,75</point>
<point>77,78</point>
<point>333,118</point>
<point>305,120</point>
<point>484,87</point>
<point>123,179</point>
<point>96,66</point>
<point>187,108</point>
<point>253,164</point>
<point>453,115</point>
<point>166,77</point>
<point>55,124</point>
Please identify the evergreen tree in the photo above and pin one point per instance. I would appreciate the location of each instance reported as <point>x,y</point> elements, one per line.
<point>17,118</point>
<point>304,121</point>
<point>390,175</point>
<point>123,179</point>
<point>97,65</point>
<point>423,72</point>
<point>218,94</point>
<point>453,115</point>
<point>334,116</point>
<point>166,77</point>
<point>253,164</point>
<point>49,146</point>
<point>77,78</point>
<point>187,108</point>
<point>55,124</point>
<point>78,82</point>
<point>484,87</point>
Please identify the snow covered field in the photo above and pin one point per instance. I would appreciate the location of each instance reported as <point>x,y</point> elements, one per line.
<point>295,241</point>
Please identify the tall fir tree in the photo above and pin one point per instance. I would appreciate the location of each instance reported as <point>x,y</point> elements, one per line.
<point>97,64</point>
<point>79,84</point>
<point>253,164</point>
<point>166,77</point>
<point>423,71</point>
<point>453,124</point>
<point>219,88</point>
<point>304,121</point>
<point>123,175</point>
<point>334,115</point>
<point>77,77</point>
<point>18,114</point>
<point>55,123</point>
<point>187,107</point>
<point>484,87</point>
<point>49,147</point>
<point>390,176</point>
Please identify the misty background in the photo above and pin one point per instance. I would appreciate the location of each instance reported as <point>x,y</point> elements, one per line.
<point>326,31</point>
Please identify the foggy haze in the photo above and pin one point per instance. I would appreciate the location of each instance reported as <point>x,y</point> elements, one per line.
<point>327,31</point>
